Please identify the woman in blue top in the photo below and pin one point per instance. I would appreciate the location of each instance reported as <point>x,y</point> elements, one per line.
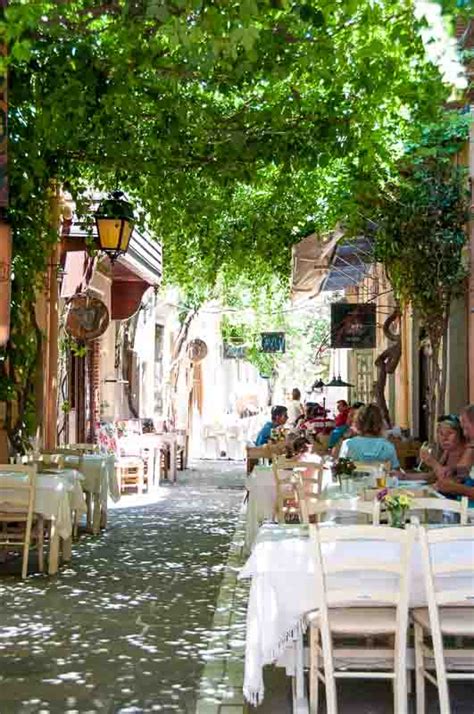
<point>369,444</point>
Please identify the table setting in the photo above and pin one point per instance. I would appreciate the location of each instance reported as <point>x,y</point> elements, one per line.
<point>282,569</point>
<point>58,495</point>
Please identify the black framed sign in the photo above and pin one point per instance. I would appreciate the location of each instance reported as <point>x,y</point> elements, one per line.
<point>353,325</point>
<point>273,342</point>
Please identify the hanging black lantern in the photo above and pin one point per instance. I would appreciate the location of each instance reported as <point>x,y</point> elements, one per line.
<point>338,382</point>
<point>319,384</point>
<point>115,221</point>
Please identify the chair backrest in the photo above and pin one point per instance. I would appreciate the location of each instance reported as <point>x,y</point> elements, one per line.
<point>17,488</point>
<point>346,576</point>
<point>310,504</point>
<point>85,448</point>
<point>442,504</point>
<point>288,477</point>
<point>72,457</point>
<point>363,564</point>
<point>448,566</point>
<point>50,461</point>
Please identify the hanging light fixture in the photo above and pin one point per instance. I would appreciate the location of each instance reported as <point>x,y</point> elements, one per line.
<point>338,382</point>
<point>115,221</point>
<point>319,384</point>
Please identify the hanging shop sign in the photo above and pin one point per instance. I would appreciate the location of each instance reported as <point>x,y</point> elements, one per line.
<point>273,342</point>
<point>87,318</point>
<point>230,351</point>
<point>197,350</point>
<point>353,325</point>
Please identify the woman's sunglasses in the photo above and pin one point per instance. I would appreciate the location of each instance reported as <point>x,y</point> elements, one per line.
<point>450,418</point>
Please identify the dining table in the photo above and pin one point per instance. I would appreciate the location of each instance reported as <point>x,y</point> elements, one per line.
<point>283,591</point>
<point>99,482</point>
<point>58,496</point>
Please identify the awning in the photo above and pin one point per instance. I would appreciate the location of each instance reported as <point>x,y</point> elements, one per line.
<point>327,263</point>
<point>350,263</point>
<point>311,258</point>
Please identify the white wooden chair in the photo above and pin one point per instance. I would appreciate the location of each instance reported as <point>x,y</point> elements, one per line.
<point>18,522</point>
<point>312,504</point>
<point>450,593</point>
<point>440,505</point>
<point>384,611</point>
<point>288,474</point>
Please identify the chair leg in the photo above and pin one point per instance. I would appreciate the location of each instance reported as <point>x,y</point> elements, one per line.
<point>419,668</point>
<point>441,679</point>
<point>329,679</point>
<point>400,682</point>
<point>313,671</point>
<point>26,549</point>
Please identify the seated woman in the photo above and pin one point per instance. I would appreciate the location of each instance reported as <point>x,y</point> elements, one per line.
<point>456,457</point>
<point>369,444</point>
<point>458,480</point>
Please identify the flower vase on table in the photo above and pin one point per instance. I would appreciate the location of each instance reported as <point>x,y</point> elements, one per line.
<point>344,469</point>
<point>397,517</point>
<point>396,505</point>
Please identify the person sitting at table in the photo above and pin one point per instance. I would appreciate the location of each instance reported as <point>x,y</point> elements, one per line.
<point>461,482</point>
<point>314,414</point>
<point>369,444</point>
<point>279,417</point>
<point>349,430</point>
<point>456,456</point>
<point>296,445</point>
<point>295,408</point>
<point>341,423</point>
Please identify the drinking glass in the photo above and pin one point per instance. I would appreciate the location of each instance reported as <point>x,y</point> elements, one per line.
<point>429,448</point>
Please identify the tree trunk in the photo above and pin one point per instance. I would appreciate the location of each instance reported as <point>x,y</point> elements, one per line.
<point>433,384</point>
<point>175,367</point>
<point>443,367</point>
<point>386,363</point>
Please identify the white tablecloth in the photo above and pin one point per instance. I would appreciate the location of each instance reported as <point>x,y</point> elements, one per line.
<point>57,494</point>
<point>99,475</point>
<point>282,569</point>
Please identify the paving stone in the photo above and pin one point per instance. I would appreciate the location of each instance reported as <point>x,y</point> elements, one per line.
<point>125,628</point>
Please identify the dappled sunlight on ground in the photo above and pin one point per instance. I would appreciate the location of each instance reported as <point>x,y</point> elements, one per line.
<point>126,627</point>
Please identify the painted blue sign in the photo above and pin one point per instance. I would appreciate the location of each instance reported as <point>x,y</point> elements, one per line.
<point>273,342</point>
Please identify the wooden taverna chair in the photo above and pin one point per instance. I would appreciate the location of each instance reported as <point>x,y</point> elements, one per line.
<point>20,527</point>
<point>383,610</point>
<point>449,585</point>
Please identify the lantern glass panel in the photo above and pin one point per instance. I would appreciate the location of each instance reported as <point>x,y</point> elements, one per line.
<point>109,233</point>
